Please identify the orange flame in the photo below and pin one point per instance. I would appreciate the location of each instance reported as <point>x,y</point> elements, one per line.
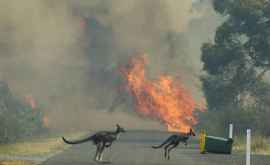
<point>46,121</point>
<point>31,101</point>
<point>202,105</point>
<point>164,99</point>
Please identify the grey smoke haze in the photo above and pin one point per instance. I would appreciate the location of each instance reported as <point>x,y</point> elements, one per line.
<point>66,53</point>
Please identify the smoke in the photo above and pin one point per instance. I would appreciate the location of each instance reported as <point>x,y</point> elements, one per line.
<point>170,32</point>
<point>40,51</point>
<point>66,53</point>
<point>41,54</point>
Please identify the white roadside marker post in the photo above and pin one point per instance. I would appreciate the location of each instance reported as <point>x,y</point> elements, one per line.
<point>248,147</point>
<point>231,131</point>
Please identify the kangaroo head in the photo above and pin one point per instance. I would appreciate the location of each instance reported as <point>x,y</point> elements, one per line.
<point>119,128</point>
<point>191,132</point>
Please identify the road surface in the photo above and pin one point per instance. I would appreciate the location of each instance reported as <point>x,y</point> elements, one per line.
<point>134,148</point>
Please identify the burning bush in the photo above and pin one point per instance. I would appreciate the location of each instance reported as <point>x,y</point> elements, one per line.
<point>164,99</point>
<point>17,118</point>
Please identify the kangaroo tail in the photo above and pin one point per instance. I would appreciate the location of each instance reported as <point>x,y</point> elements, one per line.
<point>156,147</point>
<point>162,144</point>
<point>77,141</point>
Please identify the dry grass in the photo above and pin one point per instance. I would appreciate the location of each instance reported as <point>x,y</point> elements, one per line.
<point>259,145</point>
<point>17,162</point>
<point>35,147</point>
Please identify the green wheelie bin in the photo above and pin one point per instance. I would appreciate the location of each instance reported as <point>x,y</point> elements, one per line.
<point>212,144</point>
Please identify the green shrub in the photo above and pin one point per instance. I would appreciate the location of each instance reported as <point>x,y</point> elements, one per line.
<point>17,118</point>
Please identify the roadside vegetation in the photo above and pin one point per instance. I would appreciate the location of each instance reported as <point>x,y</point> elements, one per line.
<point>259,145</point>
<point>19,117</point>
<point>38,147</point>
<point>236,80</point>
<point>17,162</point>
<point>43,146</point>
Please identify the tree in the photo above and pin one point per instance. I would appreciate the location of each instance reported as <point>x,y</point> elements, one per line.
<point>17,118</point>
<point>238,59</point>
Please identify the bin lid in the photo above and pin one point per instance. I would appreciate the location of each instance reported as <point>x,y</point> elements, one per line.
<point>217,138</point>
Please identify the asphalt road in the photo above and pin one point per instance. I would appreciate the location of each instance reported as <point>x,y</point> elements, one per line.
<point>134,148</point>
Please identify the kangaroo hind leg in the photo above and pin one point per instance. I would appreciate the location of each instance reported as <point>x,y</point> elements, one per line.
<point>97,152</point>
<point>100,157</point>
<point>166,150</point>
<point>169,150</point>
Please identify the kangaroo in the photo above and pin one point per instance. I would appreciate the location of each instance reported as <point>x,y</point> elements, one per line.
<point>173,141</point>
<point>102,140</point>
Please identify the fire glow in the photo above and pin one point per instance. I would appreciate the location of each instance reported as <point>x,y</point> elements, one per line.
<point>164,99</point>
<point>33,103</point>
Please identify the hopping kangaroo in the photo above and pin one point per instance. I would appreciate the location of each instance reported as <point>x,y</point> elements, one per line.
<point>173,141</point>
<point>101,139</point>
